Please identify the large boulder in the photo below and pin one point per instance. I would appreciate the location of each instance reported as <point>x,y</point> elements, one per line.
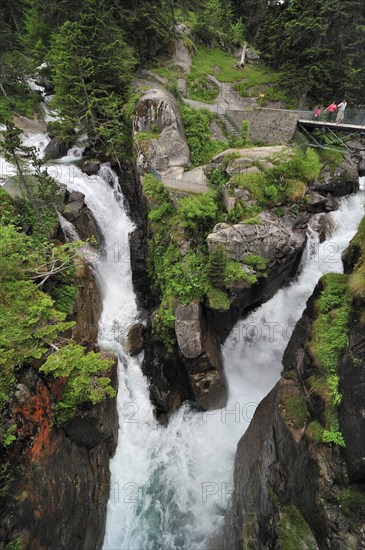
<point>158,109</point>
<point>271,238</point>
<point>201,356</point>
<point>56,149</point>
<point>76,212</point>
<point>344,180</point>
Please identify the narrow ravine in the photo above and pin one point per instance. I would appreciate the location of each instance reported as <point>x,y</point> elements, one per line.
<point>170,485</point>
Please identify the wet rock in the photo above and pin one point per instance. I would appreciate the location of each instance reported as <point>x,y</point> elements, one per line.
<point>75,203</point>
<point>22,393</point>
<point>361,167</point>
<point>90,167</point>
<point>316,203</point>
<point>344,180</point>
<point>135,339</point>
<point>351,412</point>
<point>88,308</point>
<point>60,482</point>
<point>280,466</point>
<point>56,149</point>
<point>325,227</point>
<point>201,356</point>
<point>188,328</point>
<point>76,211</point>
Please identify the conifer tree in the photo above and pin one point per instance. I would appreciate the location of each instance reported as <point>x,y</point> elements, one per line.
<point>92,69</point>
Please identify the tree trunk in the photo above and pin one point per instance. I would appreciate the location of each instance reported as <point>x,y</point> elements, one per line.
<point>243,55</point>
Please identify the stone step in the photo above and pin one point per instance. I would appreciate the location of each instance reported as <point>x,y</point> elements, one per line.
<point>229,125</point>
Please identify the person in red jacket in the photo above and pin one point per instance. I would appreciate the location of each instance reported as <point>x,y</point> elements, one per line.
<point>331,109</point>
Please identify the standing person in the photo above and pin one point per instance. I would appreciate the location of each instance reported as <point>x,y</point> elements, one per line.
<point>317,113</point>
<point>341,111</point>
<point>331,111</point>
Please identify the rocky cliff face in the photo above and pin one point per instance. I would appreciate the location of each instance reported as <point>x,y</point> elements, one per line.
<point>59,481</point>
<point>158,112</point>
<point>292,490</point>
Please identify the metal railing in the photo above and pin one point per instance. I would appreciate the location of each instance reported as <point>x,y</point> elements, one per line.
<point>353,117</point>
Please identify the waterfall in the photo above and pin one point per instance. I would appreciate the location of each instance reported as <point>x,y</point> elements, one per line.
<point>170,486</point>
<point>68,229</point>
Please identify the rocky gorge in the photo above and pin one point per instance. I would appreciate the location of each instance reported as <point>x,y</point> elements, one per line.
<point>192,369</point>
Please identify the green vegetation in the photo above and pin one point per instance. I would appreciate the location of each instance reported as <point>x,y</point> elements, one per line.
<point>87,379</point>
<point>34,326</point>
<point>146,136</point>
<point>296,410</point>
<point>286,33</point>
<point>357,252</point>
<point>212,22</point>
<point>186,272</point>
<point>197,132</point>
<point>352,499</point>
<point>92,69</point>
<point>284,183</point>
<point>328,341</point>
<point>294,532</point>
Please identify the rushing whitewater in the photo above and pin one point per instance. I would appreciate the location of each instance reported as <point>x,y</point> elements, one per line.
<point>171,485</point>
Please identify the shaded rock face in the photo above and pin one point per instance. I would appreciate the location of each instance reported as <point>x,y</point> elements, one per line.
<point>352,409</point>
<point>343,181</point>
<point>135,339</point>
<point>191,371</point>
<point>279,467</point>
<point>201,356</point>
<point>76,212</point>
<point>170,149</point>
<point>56,149</point>
<point>272,239</point>
<point>61,479</point>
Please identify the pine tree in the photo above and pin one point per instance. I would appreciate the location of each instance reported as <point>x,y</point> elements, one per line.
<point>318,46</point>
<point>92,69</point>
<point>217,267</point>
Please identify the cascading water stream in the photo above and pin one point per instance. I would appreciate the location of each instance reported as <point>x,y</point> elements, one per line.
<point>171,485</point>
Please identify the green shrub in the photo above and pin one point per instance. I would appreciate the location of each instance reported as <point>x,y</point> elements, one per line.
<point>293,531</point>
<point>333,436</point>
<point>352,499</point>
<point>65,297</point>
<point>245,133</point>
<point>218,299</point>
<point>217,267</point>
<point>86,380</point>
<point>258,263</point>
<point>197,214</point>
<point>164,324</point>
<point>235,275</point>
<point>197,132</point>
<point>147,135</point>
<point>329,337</point>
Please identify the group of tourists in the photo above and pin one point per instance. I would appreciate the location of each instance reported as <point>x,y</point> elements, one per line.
<point>331,112</point>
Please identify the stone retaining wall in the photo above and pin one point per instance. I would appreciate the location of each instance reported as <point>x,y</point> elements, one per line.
<point>267,126</point>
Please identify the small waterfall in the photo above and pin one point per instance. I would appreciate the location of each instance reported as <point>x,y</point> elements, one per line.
<point>68,229</point>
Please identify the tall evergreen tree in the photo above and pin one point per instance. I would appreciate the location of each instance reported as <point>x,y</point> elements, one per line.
<point>92,69</point>
<point>318,46</point>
